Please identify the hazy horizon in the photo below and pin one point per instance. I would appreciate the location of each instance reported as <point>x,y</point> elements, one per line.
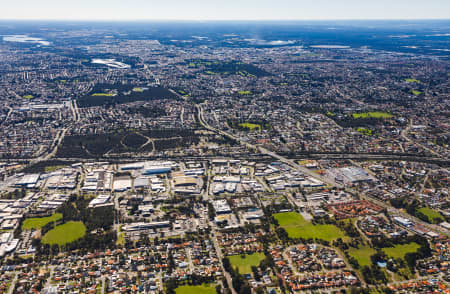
<point>232,10</point>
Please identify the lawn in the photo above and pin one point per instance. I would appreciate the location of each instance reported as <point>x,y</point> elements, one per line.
<point>415,92</point>
<point>121,237</point>
<point>39,222</point>
<point>432,214</point>
<point>412,81</point>
<point>103,94</point>
<point>372,114</point>
<point>49,169</point>
<point>203,289</point>
<point>245,264</point>
<point>364,131</point>
<point>244,92</point>
<point>297,227</point>
<point>362,255</point>
<point>28,96</point>
<point>399,251</point>
<point>65,233</point>
<point>250,126</point>
<point>138,90</point>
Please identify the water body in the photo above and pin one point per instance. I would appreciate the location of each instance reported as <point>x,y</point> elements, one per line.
<point>330,46</point>
<point>25,39</point>
<point>260,42</point>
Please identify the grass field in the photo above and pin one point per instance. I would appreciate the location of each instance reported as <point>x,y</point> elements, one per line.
<point>250,126</point>
<point>412,81</point>
<point>121,237</point>
<point>372,114</point>
<point>203,289</point>
<point>244,92</point>
<point>39,222</point>
<point>399,251</point>
<point>103,94</point>
<point>49,169</point>
<point>138,90</point>
<point>297,227</point>
<point>245,264</point>
<point>432,214</point>
<point>364,131</point>
<point>415,92</point>
<point>65,233</point>
<point>362,255</point>
<point>28,96</point>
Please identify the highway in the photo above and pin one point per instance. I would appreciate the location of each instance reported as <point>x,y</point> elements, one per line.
<point>7,116</point>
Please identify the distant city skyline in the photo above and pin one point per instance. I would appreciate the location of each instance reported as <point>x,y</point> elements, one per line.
<point>203,10</point>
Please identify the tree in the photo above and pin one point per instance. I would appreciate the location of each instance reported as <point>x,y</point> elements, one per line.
<point>354,263</point>
<point>256,274</point>
<point>219,289</point>
<point>171,285</point>
<point>227,264</point>
<point>245,289</point>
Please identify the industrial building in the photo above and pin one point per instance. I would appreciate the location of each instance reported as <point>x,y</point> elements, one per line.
<point>101,200</point>
<point>184,181</point>
<point>158,167</point>
<point>221,207</point>
<point>28,181</point>
<point>145,226</point>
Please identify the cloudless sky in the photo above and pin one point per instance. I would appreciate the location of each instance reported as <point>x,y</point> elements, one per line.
<point>223,9</point>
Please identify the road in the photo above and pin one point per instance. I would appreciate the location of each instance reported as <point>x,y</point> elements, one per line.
<point>75,110</point>
<point>372,156</point>
<point>220,255</point>
<point>7,116</point>
<point>189,259</point>
<point>116,225</point>
<point>13,283</point>
<point>50,276</point>
<point>422,185</point>
<point>58,140</point>
<point>103,285</point>
<point>259,157</point>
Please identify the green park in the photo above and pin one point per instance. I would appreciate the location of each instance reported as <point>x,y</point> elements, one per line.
<point>202,289</point>
<point>372,114</point>
<point>297,227</point>
<point>244,263</point>
<point>39,222</point>
<point>64,234</point>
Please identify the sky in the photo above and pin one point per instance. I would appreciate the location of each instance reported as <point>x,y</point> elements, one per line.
<point>121,10</point>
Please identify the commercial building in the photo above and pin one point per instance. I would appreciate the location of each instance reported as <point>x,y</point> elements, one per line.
<point>145,226</point>
<point>403,221</point>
